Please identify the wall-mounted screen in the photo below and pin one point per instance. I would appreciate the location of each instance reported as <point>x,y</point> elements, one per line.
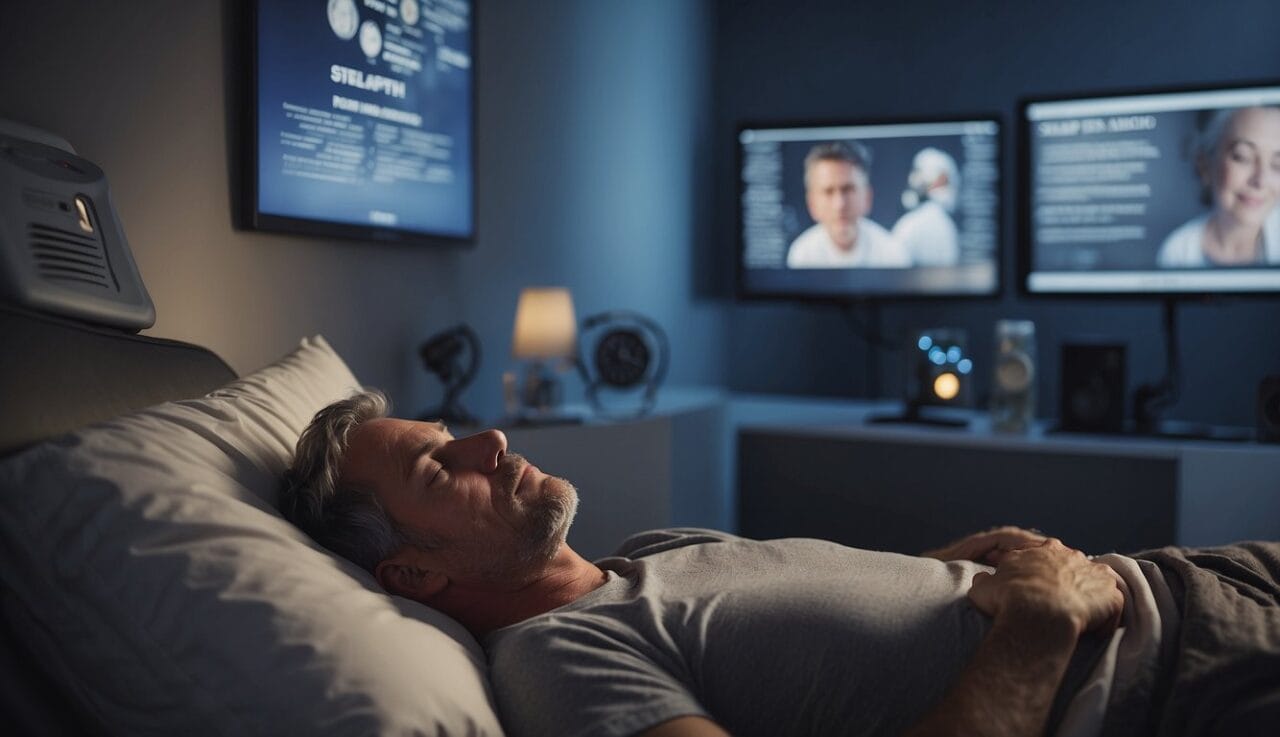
<point>364,119</point>
<point>866,210</point>
<point>1163,193</point>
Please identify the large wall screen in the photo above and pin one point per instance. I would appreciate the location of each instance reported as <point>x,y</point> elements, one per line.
<point>869,210</point>
<point>364,115</point>
<point>1166,193</point>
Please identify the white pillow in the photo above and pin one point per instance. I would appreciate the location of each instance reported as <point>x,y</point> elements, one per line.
<point>150,571</point>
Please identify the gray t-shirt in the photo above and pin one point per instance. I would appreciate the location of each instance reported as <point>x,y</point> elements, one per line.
<point>860,642</point>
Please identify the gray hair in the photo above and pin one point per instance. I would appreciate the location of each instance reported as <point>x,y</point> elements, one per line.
<point>850,152</point>
<point>345,519</point>
<point>1207,144</point>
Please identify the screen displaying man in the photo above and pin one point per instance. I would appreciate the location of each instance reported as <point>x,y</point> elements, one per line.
<point>927,231</point>
<point>838,194</point>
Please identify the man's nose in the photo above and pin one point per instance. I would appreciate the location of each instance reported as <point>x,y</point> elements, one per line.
<point>481,452</point>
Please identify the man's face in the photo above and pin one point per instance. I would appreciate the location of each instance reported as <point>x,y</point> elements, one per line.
<point>838,195</point>
<point>495,517</point>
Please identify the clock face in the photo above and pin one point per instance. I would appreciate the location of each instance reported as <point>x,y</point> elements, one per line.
<point>622,358</point>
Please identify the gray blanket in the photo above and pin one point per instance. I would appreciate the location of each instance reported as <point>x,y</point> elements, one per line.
<point>1222,674</point>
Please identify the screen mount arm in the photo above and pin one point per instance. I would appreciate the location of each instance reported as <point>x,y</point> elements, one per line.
<point>1150,400</point>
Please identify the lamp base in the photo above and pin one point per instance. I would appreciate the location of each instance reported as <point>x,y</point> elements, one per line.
<point>539,400</point>
<point>540,392</point>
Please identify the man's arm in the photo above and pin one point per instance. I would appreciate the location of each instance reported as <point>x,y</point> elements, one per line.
<point>1041,598</point>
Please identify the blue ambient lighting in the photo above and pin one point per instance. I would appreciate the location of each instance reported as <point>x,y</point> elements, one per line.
<point>964,366</point>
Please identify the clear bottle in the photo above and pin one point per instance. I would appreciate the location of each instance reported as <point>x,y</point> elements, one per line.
<point>1013,386</point>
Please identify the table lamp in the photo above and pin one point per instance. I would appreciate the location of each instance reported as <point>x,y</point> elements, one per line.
<point>545,331</point>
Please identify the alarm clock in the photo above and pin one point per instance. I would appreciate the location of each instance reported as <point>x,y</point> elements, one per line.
<point>623,360</point>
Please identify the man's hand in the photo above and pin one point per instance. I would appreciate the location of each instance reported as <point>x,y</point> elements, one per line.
<point>1049,582</point>
<point>1042,598</point>
<point>985,547</point>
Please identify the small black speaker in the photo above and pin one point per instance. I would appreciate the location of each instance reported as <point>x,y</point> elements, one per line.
<point>1093,387</point>
<point>1269,410</point>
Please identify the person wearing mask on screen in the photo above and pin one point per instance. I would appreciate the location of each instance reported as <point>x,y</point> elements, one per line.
<point>838,194</point>
<point>927,230</point>
<point>1237,158</point>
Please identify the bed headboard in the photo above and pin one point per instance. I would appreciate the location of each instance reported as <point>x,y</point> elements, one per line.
<point>57,375</point>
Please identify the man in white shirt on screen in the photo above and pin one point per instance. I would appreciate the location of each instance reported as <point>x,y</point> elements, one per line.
<point>927,230</point>
<point>838,194</point>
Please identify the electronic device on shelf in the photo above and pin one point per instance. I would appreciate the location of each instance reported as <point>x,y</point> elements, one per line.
<point>363,120</point>
<point>623,362</point>
<point>938,375</point>
<point>453,355</point>
<point>882,209</point>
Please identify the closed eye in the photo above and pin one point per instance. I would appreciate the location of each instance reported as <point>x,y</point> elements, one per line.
<point>420,455</point>
<point>439,475</point>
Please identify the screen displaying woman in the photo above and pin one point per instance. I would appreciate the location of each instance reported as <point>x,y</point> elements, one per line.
<point>1237,158</point>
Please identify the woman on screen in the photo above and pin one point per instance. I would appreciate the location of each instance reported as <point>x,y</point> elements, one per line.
<point>1238,161</point>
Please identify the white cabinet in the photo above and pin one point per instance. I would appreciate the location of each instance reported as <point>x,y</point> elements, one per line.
<point>815,469</point>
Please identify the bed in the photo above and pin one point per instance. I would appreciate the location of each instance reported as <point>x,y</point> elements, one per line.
<point>147,584</point>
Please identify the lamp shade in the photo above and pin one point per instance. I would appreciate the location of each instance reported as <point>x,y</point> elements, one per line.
<point>545,324</point>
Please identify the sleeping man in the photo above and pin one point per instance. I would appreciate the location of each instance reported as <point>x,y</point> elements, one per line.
<point>694,632</point>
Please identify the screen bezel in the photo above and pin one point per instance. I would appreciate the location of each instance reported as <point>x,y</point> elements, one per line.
<point>1025,228</point>
<point>742,293</point>
<point>266,222</point>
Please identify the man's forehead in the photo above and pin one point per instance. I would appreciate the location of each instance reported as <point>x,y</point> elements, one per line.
<point>374,443</point>
<point>838,169</point>
<point>414,430</point>
<point>389,435</point>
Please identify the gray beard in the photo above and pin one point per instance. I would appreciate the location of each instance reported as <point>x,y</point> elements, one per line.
<point>547,523</point>
<point>550,522</point>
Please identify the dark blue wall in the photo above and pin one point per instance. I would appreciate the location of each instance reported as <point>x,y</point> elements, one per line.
<point>593,129</point>
<point>826,60</point>
<point>606,154</point>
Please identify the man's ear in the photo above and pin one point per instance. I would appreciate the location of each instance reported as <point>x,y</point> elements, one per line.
<point>405,575</point>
